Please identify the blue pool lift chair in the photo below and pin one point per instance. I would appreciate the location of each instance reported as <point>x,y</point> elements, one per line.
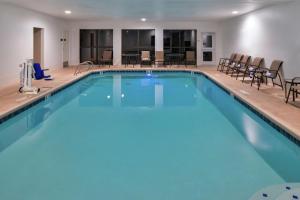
<point>39,73</point>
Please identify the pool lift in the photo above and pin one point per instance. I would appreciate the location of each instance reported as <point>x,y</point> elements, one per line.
<point>26,75</point>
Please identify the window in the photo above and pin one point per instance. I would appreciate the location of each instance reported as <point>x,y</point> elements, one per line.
<point>179,42</point>
<point>135,41</point>
<point>93,43</point>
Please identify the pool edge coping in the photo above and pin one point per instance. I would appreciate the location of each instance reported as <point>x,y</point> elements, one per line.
<point>268,118</point>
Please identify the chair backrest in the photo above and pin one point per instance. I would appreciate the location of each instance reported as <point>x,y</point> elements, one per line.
<point>238,58</point>
<point>190,56</point>
<point>232,56</point>
<point>245,60</point>
<point>257,62</point>
<point>159,56</point>
<point>145,55</point>
<point>107,55</point>
<point>276,66</point>
<point>38,72</point>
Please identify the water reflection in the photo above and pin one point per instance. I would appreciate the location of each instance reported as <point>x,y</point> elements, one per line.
<point>16,127</point>
<point>280,153</point>
<point>140,90</point>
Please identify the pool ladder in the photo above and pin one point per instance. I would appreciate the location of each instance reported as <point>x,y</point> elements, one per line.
<point>90,65</point>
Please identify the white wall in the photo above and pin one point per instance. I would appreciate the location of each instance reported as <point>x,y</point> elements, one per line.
<point>272,33</point>
<point>117,26</point>
<point>16,40</point>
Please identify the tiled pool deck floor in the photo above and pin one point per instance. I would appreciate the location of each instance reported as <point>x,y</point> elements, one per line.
<point>268,100</point>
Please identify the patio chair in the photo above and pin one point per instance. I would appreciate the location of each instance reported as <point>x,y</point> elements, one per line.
<point>159,58</point>
<point>268,73</point>
<point>274,72</point>
<point>243,64</point>
<point>145,58</point>
<point>295,89</point>
<point>190,58</point>
<point>106,58</point>
<point>236,61</point>
<point>224,61</point>
<point>249,69</point>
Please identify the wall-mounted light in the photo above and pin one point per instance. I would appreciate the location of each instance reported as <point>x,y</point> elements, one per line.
<point>143,19</point>
<point>235,12</point>
<point>68,12</point>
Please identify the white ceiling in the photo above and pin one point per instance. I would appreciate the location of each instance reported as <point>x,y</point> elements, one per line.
<point>151,9</point>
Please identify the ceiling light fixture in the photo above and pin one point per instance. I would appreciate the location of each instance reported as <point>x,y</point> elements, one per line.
<point>235,12</point>
<point>67,12</point>
<point>143,19</point>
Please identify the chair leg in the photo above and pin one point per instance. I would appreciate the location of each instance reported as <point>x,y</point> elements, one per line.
<point>281,84</point>
<point>244,76</point>
<point>294,98</point>
<point>232,72</point>
<point>288,96</point>
<point>220,63</point>
<point>228,69</point>
<point>237,74</point>
<point>252,81</point>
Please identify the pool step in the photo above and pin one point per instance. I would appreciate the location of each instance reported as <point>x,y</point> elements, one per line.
<point>288,191</point>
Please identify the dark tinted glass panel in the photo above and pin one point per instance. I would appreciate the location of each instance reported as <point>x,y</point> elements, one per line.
<point>175,39</point>
<point>135,41</point>
<point>207,41</point>
<point>167,39</point>
<point>93,43</point>
<point>129,40</point>
<point>207,56</point>
<point>105,38</point>
<point>146,38</point>
<point>178,42</point>
<point>88,38</point>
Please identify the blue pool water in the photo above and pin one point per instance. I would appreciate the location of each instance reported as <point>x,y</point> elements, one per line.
<point>133,136</point>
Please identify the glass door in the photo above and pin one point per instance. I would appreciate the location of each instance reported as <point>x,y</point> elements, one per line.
<point>208,47</point>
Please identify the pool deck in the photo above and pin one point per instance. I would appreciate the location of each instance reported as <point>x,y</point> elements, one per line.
<point>269,100</point>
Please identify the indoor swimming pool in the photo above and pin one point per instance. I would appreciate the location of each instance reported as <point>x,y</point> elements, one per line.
<point>142,136</point>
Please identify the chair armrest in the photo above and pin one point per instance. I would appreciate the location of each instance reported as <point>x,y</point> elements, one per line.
<point>296,80</point>
<point>265,69</point>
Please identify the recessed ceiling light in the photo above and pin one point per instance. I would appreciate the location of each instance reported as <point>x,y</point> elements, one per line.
<point>235,12</point>
<point>143,19</point>
<point>67,12</point>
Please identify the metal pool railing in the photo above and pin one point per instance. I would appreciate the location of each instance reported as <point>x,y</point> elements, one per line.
<point>90,65</point>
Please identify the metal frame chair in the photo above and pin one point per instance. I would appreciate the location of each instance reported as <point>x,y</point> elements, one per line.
<point>224,61</point>
<point>248,70</point>
<point>295,88</point>
<point>145,57</point>
<point>235,62</point>
<point>243,64</point>
<point>107,58</point>
<point>190,57</point>
<point>159,58</point>
<point>273,72</point>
